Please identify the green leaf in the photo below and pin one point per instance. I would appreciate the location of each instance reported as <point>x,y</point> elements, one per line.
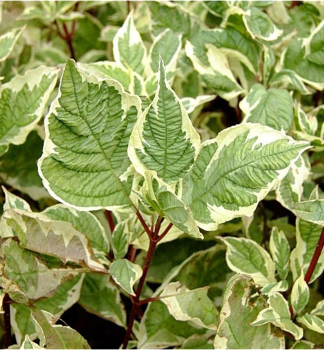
<point>271,107</point>
<point>274,287</point>
<point>190,305</point>
<point>28,344</point>
<point>279,315</point>
<point>162,199</point>
<point>14,202</point>
<point>299,294</point>
<point>167,45</point>
<point>8,41</point>
<point>303,344</point>
<point>26,273</point>
<point>21,322</point>
<point>311,210</point>
<point>128,46</point>
<point>305,57</point>
<point>238,311</point>
<point>216,72</point>
<point>319,309</point>
<point>190,104</point>
<point>163,138</point>
<point>84,222</point>
<point>18,167</point>
<point>245,256</point>
<point>312,322</point>
<point>125,274</point>
<point>57,336</point>
<point>60,239</point>
<point>106,69</point>
<point>290,189</point>
<point>22,103</point>
<point>307,236</point>
<point>280,251</point>
<point>101,297</point>
<point>87,133</point>
<point>168,16</point>
<point>236,170</point>
<point>288,79</point>
<point>158,329</point>
<point>120,240</point>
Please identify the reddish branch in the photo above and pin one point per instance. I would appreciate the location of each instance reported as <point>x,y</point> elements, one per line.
<point>6,321</point>
<point>110,220</point>
<point>316,256</point>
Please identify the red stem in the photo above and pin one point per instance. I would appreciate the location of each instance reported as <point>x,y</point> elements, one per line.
<point>110,221</point>
<point>140,217</point>
<point>147,262</point>
<point>165,232</point>
<point>6,321</point>
<point>316,256</point>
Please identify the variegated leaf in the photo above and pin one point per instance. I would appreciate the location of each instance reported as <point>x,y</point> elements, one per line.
<point>236,170</point>
<point>279,315</point>
<point>299,294</point>
<point>274,287</point>
<point>128,47</point>
<point>163,200</point>
<point>57,336</point>
<point>311,210</point>
<point>85,161</point>
<point>125,274</point>
<point>8,41</point>
<point>312,322</point>
<point>22,103</point>
<point>29,344</point>
<point>307,236</point>
<point>280,251</point>
<point>238,311</point>
<point>272,107</point>
<point>120,240</point>
<point>163,138</point>
<point>37,232</point>
<point>245,256</point>
<point>290,189</point>
<point>190,305</point>
<point>190,104</point>
<point>319,309</point>
<point>100,296</point>
<point>216,73</point>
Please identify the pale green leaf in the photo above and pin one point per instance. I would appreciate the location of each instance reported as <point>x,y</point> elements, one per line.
<point>101,297</point>
<point>197,342</point>
<point>18,167</point>
<point>87,133</point>
<point>163,200</point>
<point>305,57</point>
<point>306,122</point>
<point>38,233</point>
<point>280,251</point>
<point>235,330</point>
<point>8,41</point>
<point>271,107</point>
<point>319,309</point>
<point>14,202</point>
<point>22,103</point>
<point>247,257</point>
<point>236,170</point>
<point>190,305</point>
<point>125,274</point>
<point>84,222</point>
<point>120,240</point>
<point>163,138</point>
<point>215,72</point>
<point>299,294</point>
<point>312,322</point>
<point>29,344</point>
<point>307,236</point>
<point>279,315</point>
<point>158,329</point>
<point>167,45</point>
<point>269,60</point>
<point>106,69</point>
<point>128,46</point>
<point>290,189</point>
<point>288,79</point>
<point>274,287</point>
<point>303,344</point>
<point>57,336</point>
<point>28,274</point>
<point>311,210</point>
<point>190,104</point>
<point>21,322</point>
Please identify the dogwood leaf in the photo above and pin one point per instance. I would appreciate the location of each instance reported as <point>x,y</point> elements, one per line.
<point>280,251</point>
<point>237,169</point>
<point>22,103</point>
<point>8,41</point>
<point>163,138</point>
<point>85,152</point>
